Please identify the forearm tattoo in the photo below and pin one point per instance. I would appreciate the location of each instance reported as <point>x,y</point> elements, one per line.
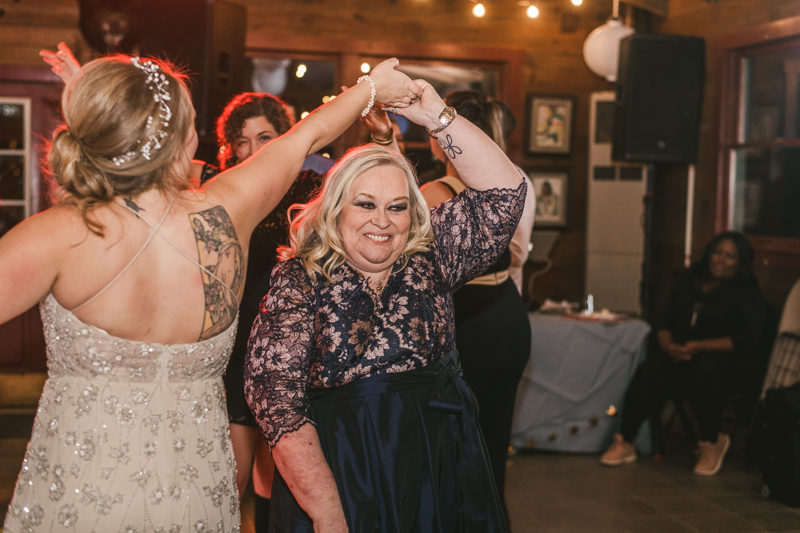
<point>449,148</point>
<point>221,253</point>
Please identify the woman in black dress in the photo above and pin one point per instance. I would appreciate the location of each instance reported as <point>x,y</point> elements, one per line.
<point>493,333</point>
<point>249,121</point>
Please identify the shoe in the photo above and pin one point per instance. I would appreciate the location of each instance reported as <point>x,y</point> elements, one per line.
<point>619,453</point>
<point>711,455</point>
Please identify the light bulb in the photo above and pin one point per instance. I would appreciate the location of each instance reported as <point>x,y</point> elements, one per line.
<point>365,68</point>
<point>301,70</point>
<point>532,12</point>
<point>577,2</point>
<point>479,10</point>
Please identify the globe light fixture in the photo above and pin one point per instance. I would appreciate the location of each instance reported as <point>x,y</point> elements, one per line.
<point>601,47</point>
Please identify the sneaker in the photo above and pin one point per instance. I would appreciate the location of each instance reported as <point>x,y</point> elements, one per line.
<point>711,455</point>
<point>619,453</point>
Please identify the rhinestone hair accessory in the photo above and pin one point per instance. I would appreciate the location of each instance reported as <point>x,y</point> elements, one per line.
<point>157,82</point>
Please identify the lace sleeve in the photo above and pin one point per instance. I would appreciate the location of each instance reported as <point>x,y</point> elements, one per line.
<point>279,351</point>
<point>473,228</point>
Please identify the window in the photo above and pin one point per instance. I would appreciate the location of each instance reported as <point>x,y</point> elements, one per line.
<point>765,156</point>
<point>15,161</point>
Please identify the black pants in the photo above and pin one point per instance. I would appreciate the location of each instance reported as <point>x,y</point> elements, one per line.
<point>493,336</point>
<point>705,380</point>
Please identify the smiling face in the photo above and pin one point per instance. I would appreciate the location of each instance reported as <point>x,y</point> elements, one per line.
<point>256,132</point>
<point>375,219</point>
<point>724,261</point>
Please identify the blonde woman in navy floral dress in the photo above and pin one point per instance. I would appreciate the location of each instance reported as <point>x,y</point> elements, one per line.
<point>352,369</point>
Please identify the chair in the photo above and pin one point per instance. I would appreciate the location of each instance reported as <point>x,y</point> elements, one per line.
<point>784,363</point>
<point>783,368</point>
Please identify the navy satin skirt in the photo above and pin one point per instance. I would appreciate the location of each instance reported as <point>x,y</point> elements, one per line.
<point>407,455</point>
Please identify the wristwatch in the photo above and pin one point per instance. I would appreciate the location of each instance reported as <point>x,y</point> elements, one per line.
<point>447,116</point>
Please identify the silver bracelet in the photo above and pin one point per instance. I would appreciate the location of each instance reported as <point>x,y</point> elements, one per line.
<point>446,117</point>
<point>366,77</point>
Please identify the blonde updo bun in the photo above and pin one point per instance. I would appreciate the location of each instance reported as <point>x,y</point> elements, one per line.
<point>106,110</point>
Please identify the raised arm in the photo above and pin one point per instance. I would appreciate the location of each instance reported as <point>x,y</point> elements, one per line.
<point>62,62</point>
<point>480,163</point>
<point>254,187</point>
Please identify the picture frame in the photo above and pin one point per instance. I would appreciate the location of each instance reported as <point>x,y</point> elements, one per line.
<point>549,124</point>
<point>552,192</point>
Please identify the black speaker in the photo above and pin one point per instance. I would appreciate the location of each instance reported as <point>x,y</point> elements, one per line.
<point>205,36</point>
<point>659,99</point>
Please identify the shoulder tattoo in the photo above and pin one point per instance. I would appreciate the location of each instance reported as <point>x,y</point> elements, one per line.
<point>221,255</point>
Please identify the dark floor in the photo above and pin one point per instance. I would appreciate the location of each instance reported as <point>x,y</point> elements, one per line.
<point>556,493</point>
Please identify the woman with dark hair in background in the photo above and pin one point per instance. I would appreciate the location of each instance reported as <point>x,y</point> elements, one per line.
<point>249,121</point>
<point>493,334</point>
<point>707,333</point>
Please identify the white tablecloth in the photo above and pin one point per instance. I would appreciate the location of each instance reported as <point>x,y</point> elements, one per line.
<point>577,370</point>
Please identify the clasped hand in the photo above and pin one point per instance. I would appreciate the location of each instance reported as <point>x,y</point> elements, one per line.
<point>681,352</point>
<point>392,87</point>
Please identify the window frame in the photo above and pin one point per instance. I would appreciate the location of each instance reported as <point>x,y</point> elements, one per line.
<point>735,48</point>
<point>26,152</point>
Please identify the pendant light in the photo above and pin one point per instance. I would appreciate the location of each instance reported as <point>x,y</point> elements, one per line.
<point>601,47</point>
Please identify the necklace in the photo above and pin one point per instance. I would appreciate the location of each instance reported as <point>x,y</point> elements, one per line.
<point>378,284</point>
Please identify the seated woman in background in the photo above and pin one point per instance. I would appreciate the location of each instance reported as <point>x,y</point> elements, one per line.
<point>352,371</point>
<point>708,329</point>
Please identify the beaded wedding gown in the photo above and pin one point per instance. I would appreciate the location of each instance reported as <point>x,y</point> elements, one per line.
<point>129,436</point>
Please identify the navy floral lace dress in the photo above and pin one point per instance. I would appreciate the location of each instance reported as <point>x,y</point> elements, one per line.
<point>378,376</point>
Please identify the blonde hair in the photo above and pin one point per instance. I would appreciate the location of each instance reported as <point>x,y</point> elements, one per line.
<point>106,113</point>
<point>314,230</point>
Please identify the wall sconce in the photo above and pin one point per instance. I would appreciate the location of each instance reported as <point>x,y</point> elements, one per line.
<point>601,47</point>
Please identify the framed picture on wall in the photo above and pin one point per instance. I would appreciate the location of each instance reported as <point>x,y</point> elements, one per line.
<point>552,188</point>
<point>549,124</point>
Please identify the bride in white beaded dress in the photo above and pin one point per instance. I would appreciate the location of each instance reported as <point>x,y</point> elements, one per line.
<point>139,276</point>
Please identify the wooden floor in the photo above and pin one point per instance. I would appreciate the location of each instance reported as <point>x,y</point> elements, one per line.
<point>559,493</point>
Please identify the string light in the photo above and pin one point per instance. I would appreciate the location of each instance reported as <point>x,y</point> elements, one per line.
<point>479,11</point>
<point>532,12</point>
<point>365,68</point>
<point>301,70</point>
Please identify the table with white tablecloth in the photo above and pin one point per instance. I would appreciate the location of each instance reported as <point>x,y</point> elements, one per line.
<point>573,387</point>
